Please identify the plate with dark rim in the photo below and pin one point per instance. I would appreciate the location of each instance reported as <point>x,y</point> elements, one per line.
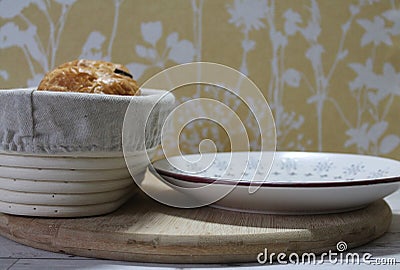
<point>283,182</point>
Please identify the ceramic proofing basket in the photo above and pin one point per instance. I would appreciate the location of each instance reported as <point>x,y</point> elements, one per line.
<point>61,154</point>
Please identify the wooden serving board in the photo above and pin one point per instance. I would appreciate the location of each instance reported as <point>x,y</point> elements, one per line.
<point>144,230</point>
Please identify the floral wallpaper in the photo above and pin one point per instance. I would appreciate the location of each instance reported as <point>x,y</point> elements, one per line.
<point>330,70</point>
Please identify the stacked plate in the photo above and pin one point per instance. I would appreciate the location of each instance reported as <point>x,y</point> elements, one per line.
<point>293,183</point>
<point>66,185</point>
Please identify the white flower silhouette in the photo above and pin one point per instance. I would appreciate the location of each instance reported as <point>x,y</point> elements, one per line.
<point>92,49</point>
<point>291,20</point>
<point>4,74</point>
<point>389,81</point>
<point>383,84</point>
<point>181,52</point>
<point>359,137</point>
<point>364,137</point>
<point>375,32</point>
<point>64,2</point>
<point>178,51</point>
<point>24,35</point>
<point>11,8</point>
<point>389,143</point>
<point>248,14</point>
<point>393,15</point>
<point>35,80</point>
<point>151,32</point>
<point>292,77</point>
<point>365,76</point>
<point>11,35</point>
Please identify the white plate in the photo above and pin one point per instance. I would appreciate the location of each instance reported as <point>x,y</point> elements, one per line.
<point>298,183</point>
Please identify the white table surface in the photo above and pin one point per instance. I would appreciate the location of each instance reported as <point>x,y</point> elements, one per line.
<point>15,256</point>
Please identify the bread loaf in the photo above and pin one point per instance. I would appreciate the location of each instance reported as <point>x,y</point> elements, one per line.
<point>90,76</point>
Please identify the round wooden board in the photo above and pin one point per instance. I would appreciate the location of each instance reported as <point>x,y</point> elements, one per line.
<point>144,230</point>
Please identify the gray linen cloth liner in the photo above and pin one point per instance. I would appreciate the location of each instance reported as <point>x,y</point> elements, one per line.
<point>52,122</point>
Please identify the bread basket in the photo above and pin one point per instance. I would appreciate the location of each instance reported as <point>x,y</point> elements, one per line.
<point>61,153</point>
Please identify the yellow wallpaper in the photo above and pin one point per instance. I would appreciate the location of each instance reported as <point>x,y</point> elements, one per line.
<point>329,69</point>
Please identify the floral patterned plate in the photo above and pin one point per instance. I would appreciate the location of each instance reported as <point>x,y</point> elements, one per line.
<point>295,182</point>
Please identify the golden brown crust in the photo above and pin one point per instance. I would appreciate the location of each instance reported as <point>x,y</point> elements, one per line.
<point>90,76</point>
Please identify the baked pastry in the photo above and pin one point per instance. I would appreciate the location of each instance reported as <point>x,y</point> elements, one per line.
<point>90,76</point>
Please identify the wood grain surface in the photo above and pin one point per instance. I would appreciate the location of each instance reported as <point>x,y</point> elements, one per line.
<point>144,230</point>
